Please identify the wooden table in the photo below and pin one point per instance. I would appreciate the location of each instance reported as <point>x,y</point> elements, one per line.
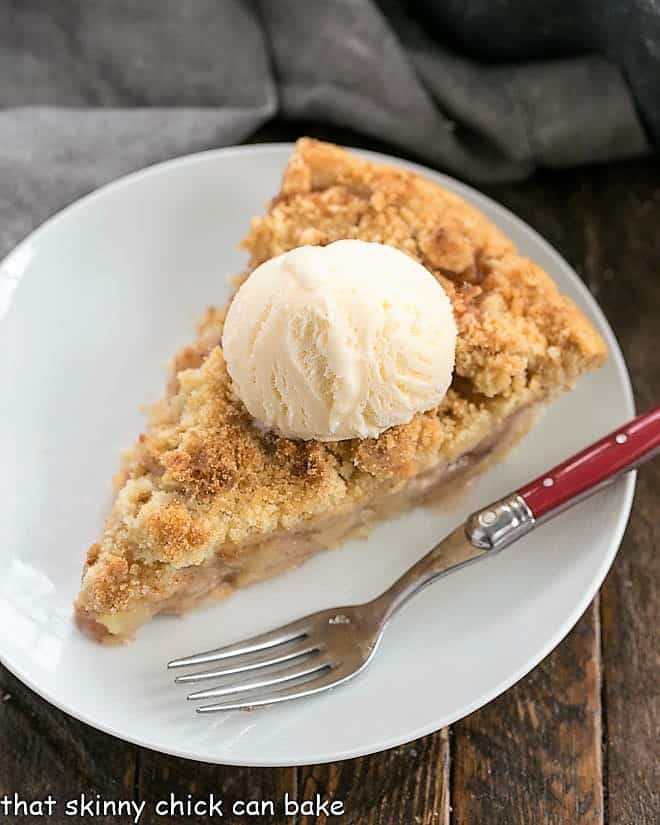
<point>577,741</point>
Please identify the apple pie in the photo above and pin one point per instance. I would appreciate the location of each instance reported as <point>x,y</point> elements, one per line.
<point>207,502</point>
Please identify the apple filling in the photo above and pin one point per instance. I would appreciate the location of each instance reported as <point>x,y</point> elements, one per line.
<point>281,551</point>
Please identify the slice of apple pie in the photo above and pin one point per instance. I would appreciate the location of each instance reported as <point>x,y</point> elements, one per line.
<point>207,501</point>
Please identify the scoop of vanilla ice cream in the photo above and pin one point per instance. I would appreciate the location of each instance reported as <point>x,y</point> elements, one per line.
<point>340,341</point>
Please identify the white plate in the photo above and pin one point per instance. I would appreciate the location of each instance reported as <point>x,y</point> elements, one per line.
<point>91,307</point>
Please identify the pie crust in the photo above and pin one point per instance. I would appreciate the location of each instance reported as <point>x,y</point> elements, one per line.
<point>207,502</point>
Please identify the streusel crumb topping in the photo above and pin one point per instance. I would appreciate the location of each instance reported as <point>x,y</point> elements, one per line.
<point>203,481</point>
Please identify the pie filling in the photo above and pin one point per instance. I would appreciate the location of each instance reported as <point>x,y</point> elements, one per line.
<point>216,578</point>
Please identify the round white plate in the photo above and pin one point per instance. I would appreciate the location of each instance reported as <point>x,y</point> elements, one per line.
<point>92,305</point>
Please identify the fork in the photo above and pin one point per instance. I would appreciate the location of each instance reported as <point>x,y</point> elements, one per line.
<point>327,648</point>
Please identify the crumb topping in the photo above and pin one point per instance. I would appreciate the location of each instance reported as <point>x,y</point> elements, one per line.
<point>203,481</point>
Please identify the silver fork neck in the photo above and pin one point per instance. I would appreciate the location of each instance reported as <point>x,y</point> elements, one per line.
<point>485,532</point>
<point>453,552</point>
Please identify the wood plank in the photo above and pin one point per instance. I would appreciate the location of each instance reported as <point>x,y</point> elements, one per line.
<point>403,786</point>
<point>631,618</point>
<point>623,262</point>
<point>43,751</point>
<point>160,776</point>
<point>534,755</point>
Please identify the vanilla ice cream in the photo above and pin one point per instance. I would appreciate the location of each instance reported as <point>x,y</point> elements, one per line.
<point>340,341</point>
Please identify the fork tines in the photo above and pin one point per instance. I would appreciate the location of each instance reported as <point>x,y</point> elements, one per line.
<point>281,665</point>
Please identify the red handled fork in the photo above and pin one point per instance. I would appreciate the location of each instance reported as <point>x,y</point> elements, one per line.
<point>330,647</point>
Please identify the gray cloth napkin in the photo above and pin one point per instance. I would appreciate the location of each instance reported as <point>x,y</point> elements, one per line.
<point>91,89</point>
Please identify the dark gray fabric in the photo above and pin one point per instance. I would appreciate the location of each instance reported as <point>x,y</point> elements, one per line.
<point>90,89</point>
<point>625,31</point>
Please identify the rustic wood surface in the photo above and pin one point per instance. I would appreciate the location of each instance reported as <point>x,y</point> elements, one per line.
<point>577,741</point>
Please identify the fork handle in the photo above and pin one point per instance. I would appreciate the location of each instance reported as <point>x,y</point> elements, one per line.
<point>599,465</point>
<point>501,523</point>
